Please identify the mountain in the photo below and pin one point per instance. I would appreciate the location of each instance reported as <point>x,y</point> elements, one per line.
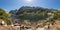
<point>30,9</point>
<point>31,13</point>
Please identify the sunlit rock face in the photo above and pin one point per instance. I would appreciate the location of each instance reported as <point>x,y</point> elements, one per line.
<point>40,28</point>
<point>29,29</point>
<point>2,22</point>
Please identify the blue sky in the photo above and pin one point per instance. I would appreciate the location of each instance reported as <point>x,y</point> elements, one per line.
<point>16,4</point>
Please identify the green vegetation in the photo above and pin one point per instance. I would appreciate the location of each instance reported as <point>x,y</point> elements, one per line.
<point>57,15</point>
<point>33,16</point>
<point>5,16</point>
